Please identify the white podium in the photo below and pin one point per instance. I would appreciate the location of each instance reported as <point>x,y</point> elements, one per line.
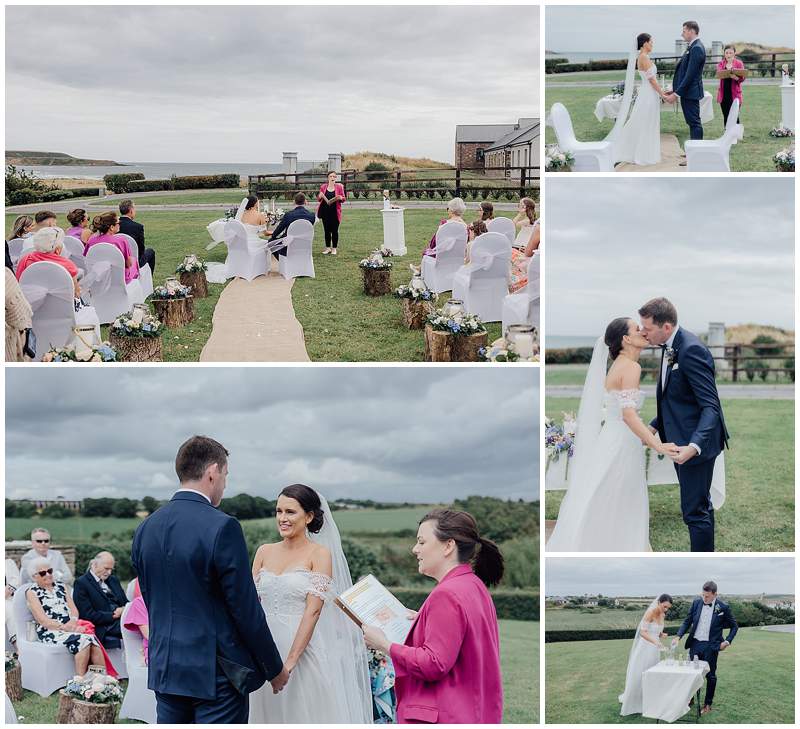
<point>394,232</point>
<point>787,104</point>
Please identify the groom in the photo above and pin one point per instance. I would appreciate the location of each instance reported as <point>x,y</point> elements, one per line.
<point>706,619</point>
<point>210,646</point>
<point>689,414</point>
<point>687,84</point>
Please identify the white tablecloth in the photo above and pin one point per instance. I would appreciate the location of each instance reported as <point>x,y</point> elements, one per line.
<point>667,690</point>
<point>608,108</point>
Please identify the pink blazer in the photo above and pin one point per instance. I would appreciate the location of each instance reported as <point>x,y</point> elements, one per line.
<point>338,190</point>
<point>736,85</point>
<point>448,671</point>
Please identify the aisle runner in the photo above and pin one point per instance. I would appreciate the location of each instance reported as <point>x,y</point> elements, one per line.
<point>254,321</point>
<point>671,155</point>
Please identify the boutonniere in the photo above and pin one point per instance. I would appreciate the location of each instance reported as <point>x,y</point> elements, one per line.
<point>671,356</point>
<point>717,610</point>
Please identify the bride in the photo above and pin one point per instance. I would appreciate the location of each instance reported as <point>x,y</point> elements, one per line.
<point>639,141</point>
<point>323,650</point>
<point>253,220</point>
<point>606,508</point>
<point>644,653</point>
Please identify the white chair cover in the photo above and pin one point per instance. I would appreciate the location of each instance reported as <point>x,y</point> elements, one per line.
<point>15,246</point>
<point>139,702</point>
<point>589,156</point>
<point>713,155</point>
<point>451,243</point>
<point>145,274</point>
<point>105,280</point>
<point>482,284</point>
<point>522,307</point>
<point>50,291</point>
<point>298,260</point>
<point>73,250</point>
<point>244,260</point>
<point>503,225</point>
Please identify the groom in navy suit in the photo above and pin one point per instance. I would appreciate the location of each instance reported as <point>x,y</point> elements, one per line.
<point>704,624</point>
<point>210,645</point>
<point>689,414</point>
<point>687,84</point>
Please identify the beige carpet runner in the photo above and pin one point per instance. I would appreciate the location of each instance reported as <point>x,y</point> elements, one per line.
<point>671,155</point>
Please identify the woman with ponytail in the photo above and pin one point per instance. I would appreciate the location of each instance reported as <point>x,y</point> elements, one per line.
<point>448,670</point>
<point>106,228</point>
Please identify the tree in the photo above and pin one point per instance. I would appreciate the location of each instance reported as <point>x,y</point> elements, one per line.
<point>22,509</point>
<point>124,508</point>
<point>11,509</point>
<point>150,504</point>
<point>98,507</point>
<point>55,511</point>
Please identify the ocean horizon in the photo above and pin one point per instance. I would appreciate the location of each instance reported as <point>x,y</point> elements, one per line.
<point>586,56</point>
<point>552,341</point>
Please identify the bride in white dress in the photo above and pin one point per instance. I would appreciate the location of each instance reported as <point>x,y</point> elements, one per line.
<point>606,506</point>
<point>253,220</point>
<point>644,654</point>
<point>639,141</point>
<point>297,580</point>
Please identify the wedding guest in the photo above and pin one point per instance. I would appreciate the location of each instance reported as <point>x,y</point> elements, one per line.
<point>100,599</point>
<point>487,211</point>
<point>44,219</point>
<point>12,583</point>
<point>455,211</point>
<point>106,227</point>
<point>137,620</point>
<point>19,319</point>
<point>331,196</point>
<point>128,226</point>
<point>520,258</point>
<point>40,539</point>
<point>21,227</point>
<point>477,228</point>
<point>300,212</point>
<point>729,88</point>
<point>48,245</point>
<point>448,670</point>
<point>79,225</point>
<point>526,215</point>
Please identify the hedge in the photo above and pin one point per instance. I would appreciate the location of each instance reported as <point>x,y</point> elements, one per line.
<point>551,63</point>
<point>119,183</point>
<point>148,185</point>
<point>509,604</point>
<point>205,182</point>
<point>577,355</point>
<point>28,196</point>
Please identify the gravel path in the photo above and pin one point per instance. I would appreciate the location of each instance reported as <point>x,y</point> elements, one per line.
<point>779,628</point>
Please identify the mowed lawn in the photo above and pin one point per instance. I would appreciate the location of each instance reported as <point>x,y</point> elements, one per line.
<point>755,681</point>
<point>758,514</point>
<point>598,618</point>
<point>761,112</point>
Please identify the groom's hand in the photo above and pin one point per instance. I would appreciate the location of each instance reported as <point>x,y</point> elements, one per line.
<point>723,645</point>
<point>684,454</point>
<point>279,681</point>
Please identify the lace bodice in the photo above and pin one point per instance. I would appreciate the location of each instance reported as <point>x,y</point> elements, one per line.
<point>285,594</point>
<point>649,73</point>
<point>617,400</point>
<point>653,628</point>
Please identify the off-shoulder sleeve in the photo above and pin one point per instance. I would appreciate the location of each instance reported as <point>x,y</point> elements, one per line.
<point>319,585</point>
<point>627,398</point>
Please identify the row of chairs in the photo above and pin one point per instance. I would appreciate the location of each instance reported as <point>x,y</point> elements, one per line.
<point>248,262</point>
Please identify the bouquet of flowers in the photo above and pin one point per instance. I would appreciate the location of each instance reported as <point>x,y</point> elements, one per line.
<point>618,91</point>
<point>555,160</point>
<point>781,132</point>
<point>11,661</point>
<point>459,323</point>
<point>376,261</point>
<point>101,353</point>
<point>135,325</point>
<point>230,213</point>
<point>274,216</point>
<point>559,439</point>
<point>96,688</point>
<point>784,160</point>
<point>502,351</point>
<point>409,291</point>
<point>172,289</point>
<point>191,264</point>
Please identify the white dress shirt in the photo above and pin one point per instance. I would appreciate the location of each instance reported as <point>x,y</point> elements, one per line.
<point>61,572</point>
<point>704,624</point>
<point>195,491</point>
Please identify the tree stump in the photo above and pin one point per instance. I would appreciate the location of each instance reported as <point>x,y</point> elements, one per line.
<point>136,349</point>
<point>64,708</point>
<point>14,683</point>
<point>415,313</point>
<point>197,280</point>
<point>447,347</point>
<point>174,312</point>
<point>377,281</point>
<point>85,712</point>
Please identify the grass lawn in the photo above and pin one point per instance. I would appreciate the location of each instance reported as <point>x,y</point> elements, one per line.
<point>755,681</point>
<point>561,619</point>
<point>575,374</point>
<point>758,514</point>
<point>760,113</point>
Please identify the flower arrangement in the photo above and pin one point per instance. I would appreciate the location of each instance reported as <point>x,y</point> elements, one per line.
<point>11,661</point>
<point>461,322</point>
<point>135,325</point>
<point>555,160</point>
<point>377,261</point>
<point>408,291</point>
<point>502,351</point>
<point>100,353</point>
<point>274,216</point>
<point>230,213</point>
<point>191,264</point>
<point>784,160</point>
<point>781,132</point>
<point>618,91</point>
<point>172,289</point>
<point>96,688</point>
<point>559,440</point>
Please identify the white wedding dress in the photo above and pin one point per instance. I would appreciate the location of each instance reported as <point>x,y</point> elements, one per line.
<point>639,141</point>
<point>643,655</point>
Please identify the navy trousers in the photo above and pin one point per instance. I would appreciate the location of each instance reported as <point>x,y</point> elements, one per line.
<point>230,707</point>
<point>698,514</point>
<point>691,112</point>
<point>708,652</point>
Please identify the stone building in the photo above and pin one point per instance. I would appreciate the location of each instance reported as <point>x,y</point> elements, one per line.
<point>497,145</point>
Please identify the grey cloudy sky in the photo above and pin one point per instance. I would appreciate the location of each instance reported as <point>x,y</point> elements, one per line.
<point>614,27</point>
<point>394,434</point>
<point>650,576</point>
<point>245,83</point>
<point>722,249</point>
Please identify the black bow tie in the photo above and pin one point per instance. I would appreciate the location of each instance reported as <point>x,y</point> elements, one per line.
<point>663,346</point>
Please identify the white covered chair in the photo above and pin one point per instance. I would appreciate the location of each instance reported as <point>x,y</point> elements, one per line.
<point>451,242</point>
<point>139,702</point>
<point>589,156</point>
<point>503,225</point>
<point>15,246</point>
<point>105,280</point>
<point>298,260</point>
<point>522,307</point>
<point>243,260</point>
<point>482,284</point>
<point>130,590</point>
<point>73,250</point>
<point>145,274</point>
<point>713,155</point>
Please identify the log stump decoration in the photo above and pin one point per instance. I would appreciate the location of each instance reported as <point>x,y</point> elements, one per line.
<point>136,349</point>
<point>197,280</point>
<point>415,313</point>
<point>14,683</point>
<point>85,712</point>
<point>447,347</point>
<point>64,708</point>
<point>174,312</point>
<point>377,281</point>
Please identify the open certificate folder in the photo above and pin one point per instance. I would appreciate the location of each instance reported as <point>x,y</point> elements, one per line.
<point>368,601</point>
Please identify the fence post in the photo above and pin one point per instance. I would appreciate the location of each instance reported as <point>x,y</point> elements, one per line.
<point>458,182</point>
<point>398,188</point>
<point>772,70</point>
<point>736,362</point>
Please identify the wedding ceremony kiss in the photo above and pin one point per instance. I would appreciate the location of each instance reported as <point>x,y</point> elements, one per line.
<point>235,643</point>
<point>606,504</point>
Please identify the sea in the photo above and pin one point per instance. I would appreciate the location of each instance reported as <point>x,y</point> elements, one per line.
<point>586,56</point>
<point>568,342</point>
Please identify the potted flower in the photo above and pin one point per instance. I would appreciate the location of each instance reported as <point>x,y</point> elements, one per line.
<point>454,335</point>
<point>417,300</point>
<point>136,335</point>
<point>192,273</point>
<point>557,161</point>
<point>559,445</point>
<point>781,132</point>
<point>376,272</point>
<point>102,352</point>
<point>13,677</point>
<point>784,160</point>
<point>173,303</point>
<point>90,699</point>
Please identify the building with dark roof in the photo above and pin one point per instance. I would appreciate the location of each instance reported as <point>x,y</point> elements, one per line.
<point>502,146</point>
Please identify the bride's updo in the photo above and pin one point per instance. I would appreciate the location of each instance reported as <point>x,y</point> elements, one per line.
<point>309,501</point>
<point>614,335</point>
<point>252,201</point>
<point>641,39</point>
<point>665,598</point>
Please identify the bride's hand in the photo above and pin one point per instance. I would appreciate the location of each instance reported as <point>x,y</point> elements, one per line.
<point>668,449</point>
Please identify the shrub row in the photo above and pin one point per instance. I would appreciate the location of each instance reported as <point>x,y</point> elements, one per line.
<point>577,355</point>
<point>509,604</point>
<point>122,557</point>
<point>119,183</point>
<point>551,63</point>
<point>135,182</point>
<point>148,185</point>
<point>28,196</point>
<point>205,182</point>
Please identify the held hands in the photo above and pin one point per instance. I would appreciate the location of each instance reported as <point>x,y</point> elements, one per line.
<point>668,449</point>
<point>280,681</point>
<point>683,454</point>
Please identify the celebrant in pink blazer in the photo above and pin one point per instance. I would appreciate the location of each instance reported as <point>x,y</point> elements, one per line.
<point>729,88</point>
<point>331,196</point>
<point>448,670</point>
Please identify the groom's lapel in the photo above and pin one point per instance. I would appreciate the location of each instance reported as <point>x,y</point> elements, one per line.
<point>675,344</point>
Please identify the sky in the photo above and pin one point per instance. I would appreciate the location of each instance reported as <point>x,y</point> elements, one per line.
<point>390,434</point>
<point>651,576</point>
<point>245,83</point>
<point>721,249</point>
<point>614,28</point>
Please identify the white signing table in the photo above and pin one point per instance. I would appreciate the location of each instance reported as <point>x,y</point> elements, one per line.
<point>667,689</point>
<point>608,107</point>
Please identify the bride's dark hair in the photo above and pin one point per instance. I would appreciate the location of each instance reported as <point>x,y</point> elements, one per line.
<point>641,39</point>
<point>614,335</point>
<point>665,598</point>
<point>252,201</point>
<point>309,502</point>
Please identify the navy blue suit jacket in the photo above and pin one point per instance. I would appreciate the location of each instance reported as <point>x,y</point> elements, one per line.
<point>689,409</point>
<point>721,618</point>
<point>204,612</point>
<point>94,605</point>
<point>299,213</point>
<point>688,80</point>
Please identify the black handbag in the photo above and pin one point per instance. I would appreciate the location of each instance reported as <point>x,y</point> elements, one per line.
<point>29,348</point>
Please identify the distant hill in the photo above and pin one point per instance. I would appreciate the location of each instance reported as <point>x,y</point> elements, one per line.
<point>16,157</point>
<point>360,160</point>
<point>746,333</point>
<point>758,48</point>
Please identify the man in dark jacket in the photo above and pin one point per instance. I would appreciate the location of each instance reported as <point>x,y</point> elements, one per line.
<point>128,226</point>
<point>100,599</point>
<point>300,212</point>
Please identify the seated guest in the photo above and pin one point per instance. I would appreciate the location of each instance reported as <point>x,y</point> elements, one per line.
<point>21,227</point>
<point>476,229</point>
<point>40,539</point>
<point>19,320</point>
<point>137,619</point>
<point>128,226</point>
<point>12,583</point>
<point>487,211</point>
<point>455,211</point>
<point>300,212</point>
<point>100,599</point>
<point>106,227</point>
<point>48,245</point>
<point>520,258</point>
<point>57,621</point>
<point>44,219</point>
<point>79,222</point>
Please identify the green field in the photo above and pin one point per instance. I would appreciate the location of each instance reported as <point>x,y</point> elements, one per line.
<point>758,514</point>
<point>755,681</point>
<point>761,112</point>
<point>598,618</point>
